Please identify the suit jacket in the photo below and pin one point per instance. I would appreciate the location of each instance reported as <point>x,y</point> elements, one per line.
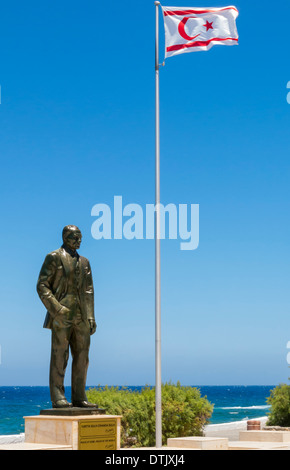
<point>53,282</point>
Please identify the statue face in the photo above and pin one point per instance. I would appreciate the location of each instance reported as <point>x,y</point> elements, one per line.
<point>73,239</point>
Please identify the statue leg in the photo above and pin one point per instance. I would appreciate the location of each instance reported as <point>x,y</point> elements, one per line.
<point>58,363</point>
<point>80,345</point>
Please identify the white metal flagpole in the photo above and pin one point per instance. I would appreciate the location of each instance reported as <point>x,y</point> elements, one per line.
<point>158,399</point>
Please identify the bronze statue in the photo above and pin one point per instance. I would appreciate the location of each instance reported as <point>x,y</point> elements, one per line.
<point>65,286</point>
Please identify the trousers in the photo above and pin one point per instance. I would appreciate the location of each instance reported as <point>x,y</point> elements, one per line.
<point>69,333</point>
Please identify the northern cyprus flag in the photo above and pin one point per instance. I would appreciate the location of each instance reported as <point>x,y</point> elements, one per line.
<point>198,29</point>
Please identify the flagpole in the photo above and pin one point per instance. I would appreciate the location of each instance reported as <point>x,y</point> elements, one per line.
<point>158,398</point>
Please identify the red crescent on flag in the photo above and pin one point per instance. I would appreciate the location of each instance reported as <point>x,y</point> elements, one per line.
<point>181,29</point>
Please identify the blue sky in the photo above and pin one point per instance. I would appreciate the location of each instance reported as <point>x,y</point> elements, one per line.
<point>77,128</point>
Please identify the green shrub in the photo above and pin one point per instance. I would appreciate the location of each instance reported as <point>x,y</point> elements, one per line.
<point>184,412</point>
<point>280,406</point>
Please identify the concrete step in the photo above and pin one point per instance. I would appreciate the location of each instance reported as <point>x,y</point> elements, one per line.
<point>201,443</point>
<point>31,446</point>
<point>265,436</point>
<point>251,445</point>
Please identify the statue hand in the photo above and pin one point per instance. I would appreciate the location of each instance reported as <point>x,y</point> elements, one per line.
<point>63,310</point>
<point>61,316</point>
<point>93,326</point>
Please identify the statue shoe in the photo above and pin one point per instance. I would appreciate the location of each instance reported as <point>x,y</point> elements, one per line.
<point>61,404</point>
<point>84,404</point>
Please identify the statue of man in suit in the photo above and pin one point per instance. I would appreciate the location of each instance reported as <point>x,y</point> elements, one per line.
<point>65,286</point>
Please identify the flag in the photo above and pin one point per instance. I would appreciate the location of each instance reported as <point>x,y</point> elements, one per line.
<point>198,29</point>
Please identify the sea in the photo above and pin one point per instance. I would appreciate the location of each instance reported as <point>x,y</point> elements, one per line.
<point>231,403</point>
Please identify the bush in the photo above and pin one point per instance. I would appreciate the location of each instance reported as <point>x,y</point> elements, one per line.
<point>280,406</point>
<point>184,412</point>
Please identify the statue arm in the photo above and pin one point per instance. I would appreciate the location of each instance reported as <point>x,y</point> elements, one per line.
<point>90,299</point>
<point>44,285</point>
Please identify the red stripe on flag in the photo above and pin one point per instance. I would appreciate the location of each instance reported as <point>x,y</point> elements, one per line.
<point>178,47</point>
<point>196,12</point>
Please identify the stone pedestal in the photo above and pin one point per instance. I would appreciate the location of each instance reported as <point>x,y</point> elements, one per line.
<point>81,432</point>
<point>201,443</point>
<point>265,436</point>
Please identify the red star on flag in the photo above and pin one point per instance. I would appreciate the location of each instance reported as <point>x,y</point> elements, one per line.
<point>208,25</point>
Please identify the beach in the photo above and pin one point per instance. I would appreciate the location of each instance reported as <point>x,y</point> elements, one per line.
<point>12,439</point>
<point>230,430</point>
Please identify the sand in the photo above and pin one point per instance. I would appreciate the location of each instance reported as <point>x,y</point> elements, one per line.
<point>12,439</point>
<point>230,430</point>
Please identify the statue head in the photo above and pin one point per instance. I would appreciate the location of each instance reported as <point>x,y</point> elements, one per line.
<point>72,237</point>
